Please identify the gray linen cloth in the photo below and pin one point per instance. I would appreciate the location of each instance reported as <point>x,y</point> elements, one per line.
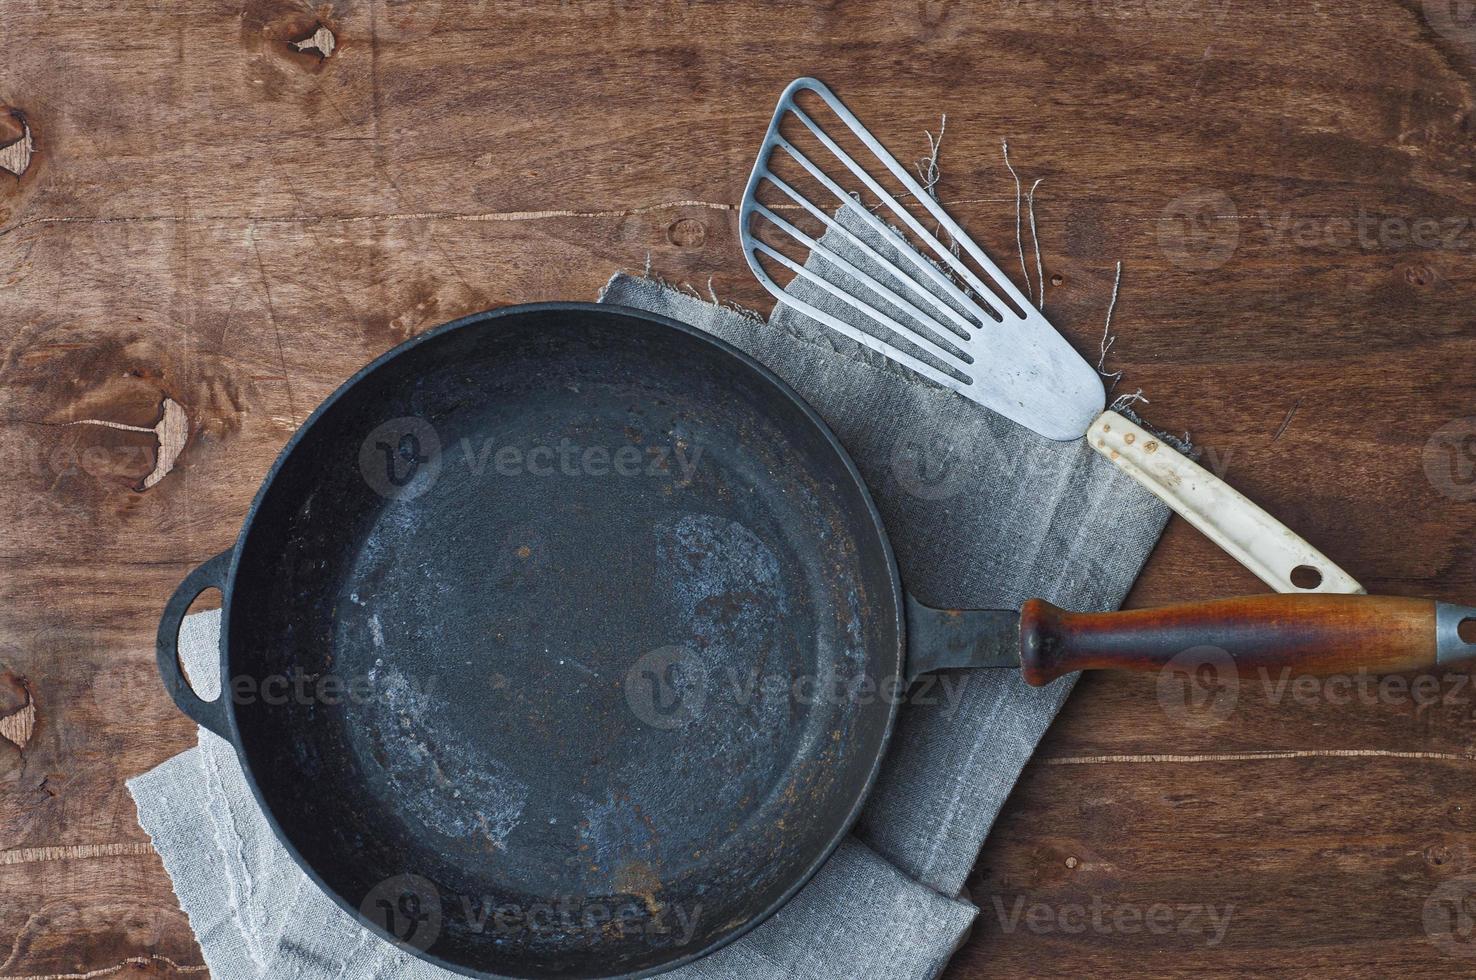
<point>981,512</point>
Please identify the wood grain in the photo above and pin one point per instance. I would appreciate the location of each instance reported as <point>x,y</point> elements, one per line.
<point>213,213</point>
<point>1297,638</point>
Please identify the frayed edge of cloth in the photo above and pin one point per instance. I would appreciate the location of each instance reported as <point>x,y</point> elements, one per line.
<point>686,289</point>
<point>1123,406</point>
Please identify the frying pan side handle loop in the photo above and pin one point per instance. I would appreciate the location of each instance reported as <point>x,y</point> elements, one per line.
<point>208,714</point>
<point>1226,516</point>
<point>1261,636</point>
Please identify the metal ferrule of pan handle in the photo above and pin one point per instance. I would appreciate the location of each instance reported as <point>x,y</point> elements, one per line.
<point>1449,646</point>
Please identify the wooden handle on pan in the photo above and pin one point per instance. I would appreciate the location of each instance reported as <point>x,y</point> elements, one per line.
<point>1275,553</point>
<point>1310,634</point>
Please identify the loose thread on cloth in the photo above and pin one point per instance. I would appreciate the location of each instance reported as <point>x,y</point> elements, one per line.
<point>1108,339</point>
<point>1035,241</point>
<point>929,173</point>
<point>1019,226</point>
<point>686,288</point>
<point>728,304</point>
<point>1038,293</point>
<point>927,167</point>
<point>1123,406</point>
<point>1025,211</point>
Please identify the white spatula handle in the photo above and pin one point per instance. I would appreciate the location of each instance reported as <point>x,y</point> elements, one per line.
<point>1226,516</point>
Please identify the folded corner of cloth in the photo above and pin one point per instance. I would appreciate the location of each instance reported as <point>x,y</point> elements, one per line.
<point>982,513</point>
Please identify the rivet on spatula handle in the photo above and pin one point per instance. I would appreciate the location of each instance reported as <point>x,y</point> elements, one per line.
<point>1270,549</point>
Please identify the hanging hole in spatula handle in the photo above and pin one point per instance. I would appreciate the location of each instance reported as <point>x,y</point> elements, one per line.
<point>1270,549</point>
<point>208,714</point>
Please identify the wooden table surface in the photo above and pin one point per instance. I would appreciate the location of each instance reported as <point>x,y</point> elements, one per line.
<point>206,225</point>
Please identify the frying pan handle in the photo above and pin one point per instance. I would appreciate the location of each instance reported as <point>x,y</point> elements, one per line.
<point>1306,635</point>
<point>1227,517</point>
<point>208,714</point>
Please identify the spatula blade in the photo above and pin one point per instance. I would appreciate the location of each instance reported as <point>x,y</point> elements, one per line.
<point>1011,360</point>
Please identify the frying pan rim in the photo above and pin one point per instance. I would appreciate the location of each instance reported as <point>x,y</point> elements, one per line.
<point>896,608</point>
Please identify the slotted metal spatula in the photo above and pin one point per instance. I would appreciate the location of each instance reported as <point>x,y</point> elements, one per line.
<point>986,341</point>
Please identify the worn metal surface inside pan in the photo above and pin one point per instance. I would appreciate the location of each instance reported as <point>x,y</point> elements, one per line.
<point>513,632</point>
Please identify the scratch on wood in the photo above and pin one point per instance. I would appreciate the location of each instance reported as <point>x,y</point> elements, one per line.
<point>73,852</point>
<point>296,219</point>
<point>542,215</point>
<point>139,961</point>
<point>1098,760</point>
<point>16,157</point>
<point>1289,416</point>
<point>564,213</point>
<point>322,41</point>
<point>276,327</point>
<point>172,431</point>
